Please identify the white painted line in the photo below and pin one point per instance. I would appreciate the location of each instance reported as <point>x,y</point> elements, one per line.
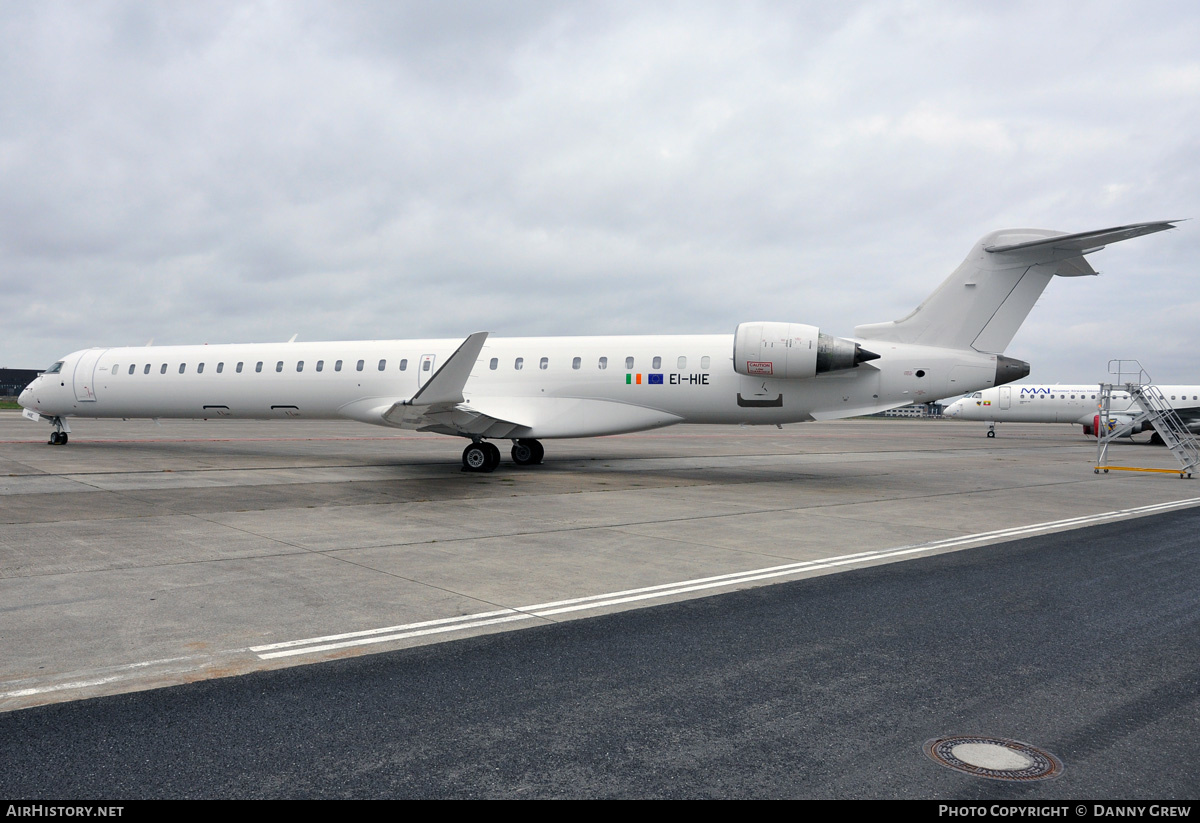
<point>541,610</point>
<point>119,673</point>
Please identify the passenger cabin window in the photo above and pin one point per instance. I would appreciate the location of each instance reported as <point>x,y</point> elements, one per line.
<point>519,363</point>
<point>239,367</point>
<point>629,362</point>
<point>299,365</point>
<point>682,363</point>
<point>182,366</point>
<point>320,365</point>
<point>494,363</point>
<point>163,370</point>
<point>200,369</point>
<point>603,364</point>
<point>361,363</point>
<point>657,363</point>
<point>404,364</point>
<point>576,362</point>
<point>279,366</point>
<point>426,365</point>
<point>382,365</point>
<point>147,369</point>
<point>115,368</point>
<point>337,366</point>
<point>544,363</point>
<point>258,367</point>
<point>131,368</point>
<point>220,368</point>
<point>704,362</point>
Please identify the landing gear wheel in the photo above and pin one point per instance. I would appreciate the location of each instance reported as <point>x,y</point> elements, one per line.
<point>475,457</point>
<point>991,433</point>
<point>493,453</point>
<point>527,452</point>
<point>480,457</point>
<point>58,438</point>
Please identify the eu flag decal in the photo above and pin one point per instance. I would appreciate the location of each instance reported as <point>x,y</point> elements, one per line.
<point>655,379</point>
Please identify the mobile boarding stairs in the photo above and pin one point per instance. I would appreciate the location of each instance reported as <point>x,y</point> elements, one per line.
<point>1148,409</point>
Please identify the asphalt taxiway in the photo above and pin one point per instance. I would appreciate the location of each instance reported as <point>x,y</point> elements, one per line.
<point>145,555</point>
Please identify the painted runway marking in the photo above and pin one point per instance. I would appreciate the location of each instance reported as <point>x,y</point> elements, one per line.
<point>387,634</point>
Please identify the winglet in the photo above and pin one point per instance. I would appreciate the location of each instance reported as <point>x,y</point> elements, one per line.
<point>446,385</point>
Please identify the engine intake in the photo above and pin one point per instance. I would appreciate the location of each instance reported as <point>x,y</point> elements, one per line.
<point>792,351</point>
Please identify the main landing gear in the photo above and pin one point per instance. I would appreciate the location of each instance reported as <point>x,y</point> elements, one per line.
<point>482,456</point>
<point>991,430</point>
<point>527,452</point>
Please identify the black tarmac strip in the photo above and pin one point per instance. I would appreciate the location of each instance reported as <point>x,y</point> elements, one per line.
<point>1085,644</point>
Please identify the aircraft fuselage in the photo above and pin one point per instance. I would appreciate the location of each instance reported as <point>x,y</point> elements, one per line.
<point>554,386</point>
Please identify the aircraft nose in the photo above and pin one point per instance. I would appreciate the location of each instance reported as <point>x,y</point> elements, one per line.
<point>25,398</point>
<point>953,409</point>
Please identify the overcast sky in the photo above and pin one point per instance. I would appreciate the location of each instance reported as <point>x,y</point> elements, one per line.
<point>218,172</point>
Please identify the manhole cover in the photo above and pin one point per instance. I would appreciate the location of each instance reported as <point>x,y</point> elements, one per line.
<point>994,758</point>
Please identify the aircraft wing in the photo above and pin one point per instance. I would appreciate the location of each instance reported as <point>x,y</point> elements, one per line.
<point>439,405</point>
<point>442,406</point>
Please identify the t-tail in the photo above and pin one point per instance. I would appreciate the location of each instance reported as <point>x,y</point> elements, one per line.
<point>982,304</point>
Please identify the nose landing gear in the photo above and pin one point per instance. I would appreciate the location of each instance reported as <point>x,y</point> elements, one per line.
<point>58,437</point>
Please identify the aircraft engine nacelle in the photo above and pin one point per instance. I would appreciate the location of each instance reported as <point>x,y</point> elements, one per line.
<point>792,351</point>
<point>1117,422</point>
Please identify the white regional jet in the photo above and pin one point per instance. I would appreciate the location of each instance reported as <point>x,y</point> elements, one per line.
<point>1068,404</point>
<point>527,389</point>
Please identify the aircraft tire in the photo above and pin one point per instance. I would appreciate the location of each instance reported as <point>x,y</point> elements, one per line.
<point>493,457</point>
<point>477,458</point>
<point>522,455</point>
<point>527,452</point>
<point>991,434</point>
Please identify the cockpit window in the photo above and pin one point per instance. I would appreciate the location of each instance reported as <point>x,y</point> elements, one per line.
<point>977,395</point>
<point>55,369</point>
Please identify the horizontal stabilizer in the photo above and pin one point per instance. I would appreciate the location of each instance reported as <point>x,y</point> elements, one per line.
<point>1082,242</point>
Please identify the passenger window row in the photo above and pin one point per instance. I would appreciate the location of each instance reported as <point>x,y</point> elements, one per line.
<point>601,363</point>
<point>258,367</point>
<point>493,364</point>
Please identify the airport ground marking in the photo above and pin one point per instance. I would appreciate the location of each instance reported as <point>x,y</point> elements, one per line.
<point>96,679</point>
<point>425,628</point>
<point>316,645</point>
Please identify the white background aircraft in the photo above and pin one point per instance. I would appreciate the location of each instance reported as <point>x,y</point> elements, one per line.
<point>1066,404</point>
<point>529,389</point>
